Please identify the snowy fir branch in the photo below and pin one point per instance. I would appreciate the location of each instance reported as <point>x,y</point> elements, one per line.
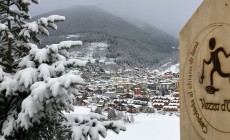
<point>36,85</point>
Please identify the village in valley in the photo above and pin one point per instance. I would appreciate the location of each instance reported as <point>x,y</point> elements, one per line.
<point>129,91</point>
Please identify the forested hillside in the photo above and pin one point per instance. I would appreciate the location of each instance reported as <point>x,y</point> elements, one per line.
<point>129,44</point>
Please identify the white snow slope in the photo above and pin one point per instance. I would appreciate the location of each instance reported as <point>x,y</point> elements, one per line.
<point>152,127</point>
<point>145,127</point>
<point>173,68</point>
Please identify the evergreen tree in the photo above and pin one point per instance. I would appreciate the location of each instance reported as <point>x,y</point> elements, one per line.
<point>35,84</point>
<point>112,114</point>
<point>98,111</point>
<point>120,115</point>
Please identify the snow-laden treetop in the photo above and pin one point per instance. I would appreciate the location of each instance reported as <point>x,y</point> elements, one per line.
<point>36,84</point>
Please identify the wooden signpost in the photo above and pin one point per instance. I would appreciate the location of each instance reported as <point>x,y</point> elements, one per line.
<point>205,73</point>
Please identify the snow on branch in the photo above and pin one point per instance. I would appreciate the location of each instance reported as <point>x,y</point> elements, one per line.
<point>8,126</point>
<point>30,1</point>
<point>9,84</point>
<point>84,126</point>
<point>26,63</point>
<point>30,30</point>
<point>48,92</point>
<point>116,126</point>
<point>68,44</point>
<point>55,18</point>
<point>63,45</point>
<point>68,79</point>
<point>34,106</point>
<point>3,27</point>
<point>45,71</point>
<point>38,86</point>
<point>75,62</point>
<point>4,31</point>
<point>27,76</point>
<point>39,91</point>
<point>40,55</point>
<point>1,74</point>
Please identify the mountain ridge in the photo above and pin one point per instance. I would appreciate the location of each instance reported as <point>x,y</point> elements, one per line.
<point>128,44</point>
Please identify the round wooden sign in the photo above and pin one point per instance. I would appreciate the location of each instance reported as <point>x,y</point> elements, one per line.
<point>206,87</point>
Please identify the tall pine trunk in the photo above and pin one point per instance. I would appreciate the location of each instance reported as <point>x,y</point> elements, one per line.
<point>9,55</point>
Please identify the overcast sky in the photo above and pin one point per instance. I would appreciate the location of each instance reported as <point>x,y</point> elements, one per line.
<point>168,15</point>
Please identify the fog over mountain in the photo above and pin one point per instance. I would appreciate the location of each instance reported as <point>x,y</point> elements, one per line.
<point>168,15</point>
<point>137,44</point>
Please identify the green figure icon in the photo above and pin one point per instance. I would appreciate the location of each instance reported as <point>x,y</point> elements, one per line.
<point>216,66</point>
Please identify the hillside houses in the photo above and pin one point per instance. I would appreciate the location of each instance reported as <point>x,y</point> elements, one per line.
<point>133,90</point>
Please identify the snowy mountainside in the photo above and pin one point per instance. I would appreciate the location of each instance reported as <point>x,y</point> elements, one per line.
<point>129,44</point>
<point>92,52</point>
<point>174,68</point>
<point>167,67</point>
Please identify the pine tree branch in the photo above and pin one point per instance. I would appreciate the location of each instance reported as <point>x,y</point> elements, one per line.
<point>9,55</point>
<point>5,65</point>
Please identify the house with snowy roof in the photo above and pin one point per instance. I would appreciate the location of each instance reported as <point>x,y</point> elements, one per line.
<point>133,108</point>
<point>158,105</point>
<point>170,108</point>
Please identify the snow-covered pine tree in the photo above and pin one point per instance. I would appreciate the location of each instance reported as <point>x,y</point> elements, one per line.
<point>112,114</point>
<point>98,111</point>
<point>35,84</point>
<point>120,115</point>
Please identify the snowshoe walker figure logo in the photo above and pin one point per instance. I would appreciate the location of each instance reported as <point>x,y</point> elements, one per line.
<point>205,73</point>
<point>214,59</point>
<point>206,77</point>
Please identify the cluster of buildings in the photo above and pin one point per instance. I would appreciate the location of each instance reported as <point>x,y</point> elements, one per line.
<point>131,90</point>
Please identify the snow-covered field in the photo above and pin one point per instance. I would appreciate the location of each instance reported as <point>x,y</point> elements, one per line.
<point>90,50</point>
<point>151,127</point>
<point>146,127</point>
